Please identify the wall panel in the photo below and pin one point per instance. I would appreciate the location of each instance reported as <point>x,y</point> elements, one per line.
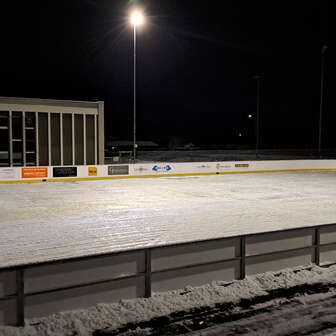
<point>55,140</point>
<point>195,276</point>
<point>82,272</point>
<point>328,235</point>
<point>275,262</point>
<point>90,143</point>
<point>328,254</point>
<point>79,140</point>
<point>7,283</point>
<point>50,303</point>
<point>67,139</point>
<point>8,312</point>
<point>43,138</point>
<point>198,253</point>
<point>278,241</point>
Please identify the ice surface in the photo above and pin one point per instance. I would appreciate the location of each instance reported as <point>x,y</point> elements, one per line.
<point>41,222</point>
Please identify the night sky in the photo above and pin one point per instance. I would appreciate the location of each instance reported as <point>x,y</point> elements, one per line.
<point>196,66</point>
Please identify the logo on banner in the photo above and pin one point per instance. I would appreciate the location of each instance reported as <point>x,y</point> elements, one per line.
<point>220,166</point>
<point>92,171</point>
<point>241,165</point>
<point>204,166</point>
<point>140,169</point>
<point>162,168</point>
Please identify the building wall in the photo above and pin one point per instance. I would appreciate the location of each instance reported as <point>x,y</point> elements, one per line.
<point>40,132</point>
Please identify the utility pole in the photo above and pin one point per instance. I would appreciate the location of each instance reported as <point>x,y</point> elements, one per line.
<point>257,78</point>
<point>323,53</point>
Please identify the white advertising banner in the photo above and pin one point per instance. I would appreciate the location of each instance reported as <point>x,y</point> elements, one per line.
<point>8,173</point>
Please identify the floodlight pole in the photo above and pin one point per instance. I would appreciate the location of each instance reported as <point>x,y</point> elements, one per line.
<point>134,94</point>
<point>323,52</point>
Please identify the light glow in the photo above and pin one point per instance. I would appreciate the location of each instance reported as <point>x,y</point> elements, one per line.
<point>137,18</point>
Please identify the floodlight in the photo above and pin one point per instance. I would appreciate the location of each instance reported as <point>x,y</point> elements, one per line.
<point>137,18</point>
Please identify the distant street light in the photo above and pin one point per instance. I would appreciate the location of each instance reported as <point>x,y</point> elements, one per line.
<point>257,78</point>
<point>137,18</point>
<point>323,52</point>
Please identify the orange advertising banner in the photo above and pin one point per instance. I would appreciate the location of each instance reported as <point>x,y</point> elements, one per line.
<point>92,171</point>
<point>34,172</point>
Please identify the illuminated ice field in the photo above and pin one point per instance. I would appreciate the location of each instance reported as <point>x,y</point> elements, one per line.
<point>48,221</point>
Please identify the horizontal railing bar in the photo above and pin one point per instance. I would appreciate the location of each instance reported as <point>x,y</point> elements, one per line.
<point>328,264</point>
<point>8,297</point>
<point>180,268</point>
<point>327,244</point>
<point>281,251</point>
<point>94,283</point>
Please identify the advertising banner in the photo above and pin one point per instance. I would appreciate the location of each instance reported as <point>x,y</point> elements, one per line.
<point>141,169</point>
<point>92,171</point>
<point>162,168</point>
<point>65,172</point>
<point>34,172</point>
<point>223,166</point>
<point>118,170</point>
<point>7,173</point>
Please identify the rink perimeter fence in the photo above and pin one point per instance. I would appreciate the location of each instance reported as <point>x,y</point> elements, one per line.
<point>36,290</point>
<point>40,289</point>
<point>124,171</point>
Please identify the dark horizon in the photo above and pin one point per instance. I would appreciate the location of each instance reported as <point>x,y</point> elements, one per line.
<point>196,64</point>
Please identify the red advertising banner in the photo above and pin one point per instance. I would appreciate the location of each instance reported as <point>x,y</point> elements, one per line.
<point>34,172</point>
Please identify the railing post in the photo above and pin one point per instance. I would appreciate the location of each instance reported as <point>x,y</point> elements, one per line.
<point>242,271</point>
<point>20,298</point>
<point>317,246</point>
<point>148,273</point>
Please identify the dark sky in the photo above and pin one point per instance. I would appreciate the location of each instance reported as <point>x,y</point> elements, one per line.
<point>196,63</point>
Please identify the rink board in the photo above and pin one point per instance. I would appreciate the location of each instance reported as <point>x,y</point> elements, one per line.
<point>40,288</point>
<point>113,171</point>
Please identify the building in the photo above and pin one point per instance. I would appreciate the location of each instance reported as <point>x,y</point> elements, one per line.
<point>45,132</point>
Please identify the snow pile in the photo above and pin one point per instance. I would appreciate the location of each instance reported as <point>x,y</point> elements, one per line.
<point>113,316</point>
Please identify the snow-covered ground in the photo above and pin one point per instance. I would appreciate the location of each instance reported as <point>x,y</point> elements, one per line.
<point>40,222</point>
<point>291,302</point>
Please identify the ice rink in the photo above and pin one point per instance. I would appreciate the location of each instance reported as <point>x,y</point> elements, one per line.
<point>48,221</point>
